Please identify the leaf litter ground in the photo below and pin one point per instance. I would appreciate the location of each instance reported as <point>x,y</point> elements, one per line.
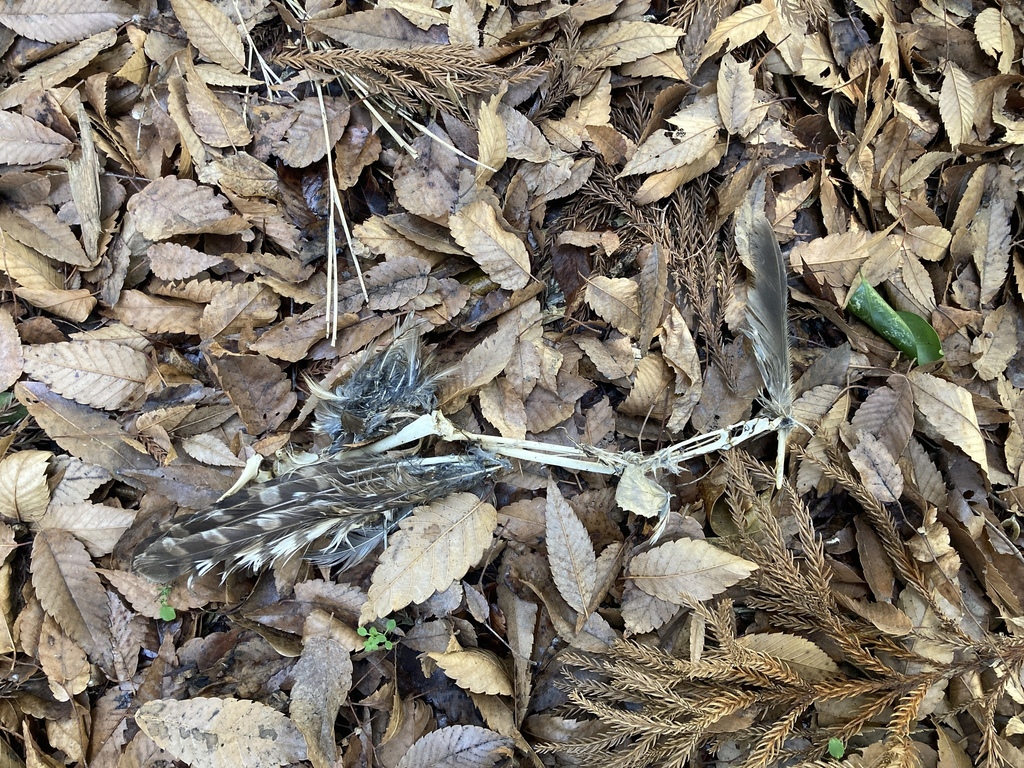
<point>214,212</point>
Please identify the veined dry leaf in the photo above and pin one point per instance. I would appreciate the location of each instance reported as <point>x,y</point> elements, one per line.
<point>24,492</point>
<point>888,414</point>
<point>242,306</point>
<point>396,281</point>
<point>524,140</point>
<point>81,431</point>
<point>63,661</point>
<point>380,28</point>
<point>209,450</point>
<point>736,93</point>
<point>475,670</point>
<point>212,32</point>
<point>660,185</point>
<point>620,42</point>
<point>501,254</point>
<point>64,21</point>
<point>652,288</point>
<point>170,261</point>
<point>215,122</point>
<point>990,230</point>
<point>501,406</point>
<point>458,746</point>
<point>69,589</point>
<point>520,622</point>
<point>84,180</point>
<point>570,553</point>
<point>38,227</point>
<point>97,373</point>
<point>242,174</point>
<point>995,36</point>
<point>806,659</point>
<point>56,69</point>
<point>29,268</point>
<point>11,360</point>
<point>949,410</point>
<point>686,570</point>
<point>957,104</point>
<point>482,363</point>
<point>738,29</point>
<point>75,306</point>
<point>653,389</point>
<point>638,493</point>
<point>222,733</point>
<point>492,140</point>
<point>612,358</point>
<point>877,469</point>
<point>97,526</point>
<point>435,546</point>
<point>170,206</point>
<point>260,391</point>
<point>615,301</point>
<point>304,141</point>
<point>323,678</point>
<point>155,315</point>
<point>997,344</point>
<point>875,563</point>
<point>698,127</point>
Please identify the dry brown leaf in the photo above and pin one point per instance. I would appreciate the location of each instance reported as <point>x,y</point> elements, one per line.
<point>212,32</point>
<point>222,733</point>
<point>949,410</point>
<point>97,373</point>
<point>98,526</point>
<point>70,591</point>
<point>458,746</point>
<point>652,288</point>
<point>64,21</point>
<point>63,662</point>
<point>397,281</point>
<point>24,491</point>
<point>481,364</point>
<point>169,206</point>
<point>304,142</point>
<point>957,104</point>
<point>210,450</point>
<point>614,299</point>
<point>501,406</point>
<point>475,670</point>
<point>735,95</point>
<point>380,28</point>
<point>571,553</point>
<point>642,613</point>
<point>56,69</point>
<point>170,261</point>
<point>998,343</point>
<point>806,659</point>
<point>433,547</point>
<point>242,307</point>
<point>640,494</point>
<point>155,315</point>
<point>23,141</point>
<point>501,254</point>
<point>39,228</point>
<point>653,389</point>
<point>81,431</point>
<point>888,414</point>
<point>686,570</point>
<point>738,29</point>
<point>260,391</point>
<point>11,360</point>
<point>323,678</point>
<point>216,123</point>
<point>877,469</point>
<point>620,42</point>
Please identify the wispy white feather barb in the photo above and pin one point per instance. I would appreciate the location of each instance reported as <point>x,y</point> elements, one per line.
<point>768,331</point>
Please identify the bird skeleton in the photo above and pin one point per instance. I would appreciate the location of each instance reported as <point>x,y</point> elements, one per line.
<point>336,510</point>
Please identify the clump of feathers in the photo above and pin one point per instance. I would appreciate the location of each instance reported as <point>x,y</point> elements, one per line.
<point>336,510</point>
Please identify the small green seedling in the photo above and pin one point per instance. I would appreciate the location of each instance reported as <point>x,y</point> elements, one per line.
<point>836,748</point>
<point>167,612</point>
<point>375,638</point>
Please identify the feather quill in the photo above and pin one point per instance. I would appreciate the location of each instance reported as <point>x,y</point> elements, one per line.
<point>333,512</point>
<point>768,330</point>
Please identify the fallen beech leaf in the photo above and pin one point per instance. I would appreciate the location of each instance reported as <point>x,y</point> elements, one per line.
<point>458,746</point>
<point>222,733</point>
<point>688,569</point>
<point>499,253</point>
<point>23,141</point>
<point>212,32</point>
<point>475,670</point>
<point>434,546</point>
<point>51,22</point>
<point>949,410</point>
<point>570,553</point>
<point>97,373</point>
<point>24,492</point>
<point>323,678</point>
<point>806,659</point>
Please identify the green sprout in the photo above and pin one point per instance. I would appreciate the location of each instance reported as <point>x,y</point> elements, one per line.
<point>375,638</point>
<point>167,612</point>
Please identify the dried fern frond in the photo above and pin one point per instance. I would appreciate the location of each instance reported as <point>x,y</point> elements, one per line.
<point>334,512</point>
<point>438,76</point>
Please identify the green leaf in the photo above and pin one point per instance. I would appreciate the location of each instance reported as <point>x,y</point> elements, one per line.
<point>167,613</point>
<point>910,334</point>
<point>836,748</point>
